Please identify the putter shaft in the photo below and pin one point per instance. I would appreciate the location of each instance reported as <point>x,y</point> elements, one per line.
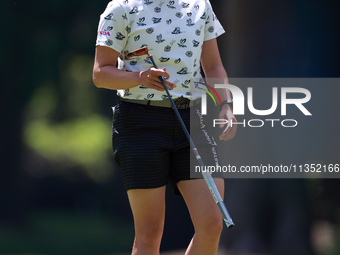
<point>206,175</point>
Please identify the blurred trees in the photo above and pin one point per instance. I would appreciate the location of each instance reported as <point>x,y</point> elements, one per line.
<point>51,113</point>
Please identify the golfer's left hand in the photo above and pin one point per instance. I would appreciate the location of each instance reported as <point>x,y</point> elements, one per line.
<point>230,131</point>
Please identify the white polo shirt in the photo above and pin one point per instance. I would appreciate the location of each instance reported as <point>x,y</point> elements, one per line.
<point>173,31</point>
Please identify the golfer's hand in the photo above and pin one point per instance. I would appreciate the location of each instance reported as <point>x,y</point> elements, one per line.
<point>150,79</point>
<point>230,131</point>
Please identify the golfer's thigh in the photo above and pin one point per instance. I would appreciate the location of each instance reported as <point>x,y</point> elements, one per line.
<point>148,209</point>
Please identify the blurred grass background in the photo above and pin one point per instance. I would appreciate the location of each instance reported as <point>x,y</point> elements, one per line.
<point>66,232</point>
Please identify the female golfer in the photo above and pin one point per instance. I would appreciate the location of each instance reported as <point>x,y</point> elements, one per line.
<point>148,142</point>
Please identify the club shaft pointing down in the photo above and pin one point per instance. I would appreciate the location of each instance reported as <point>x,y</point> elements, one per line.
<point>206,175</point>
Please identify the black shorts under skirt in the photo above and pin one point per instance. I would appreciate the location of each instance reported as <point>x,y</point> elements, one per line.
<point>151,147</point>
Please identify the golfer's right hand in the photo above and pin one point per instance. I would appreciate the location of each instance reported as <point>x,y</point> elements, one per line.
<point>150,79</point>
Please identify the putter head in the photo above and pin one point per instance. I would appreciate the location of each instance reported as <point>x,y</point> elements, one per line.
<point>138,52</point>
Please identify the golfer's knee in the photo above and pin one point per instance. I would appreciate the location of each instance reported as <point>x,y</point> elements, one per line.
<point>211,228</point>
<point>150,235</point>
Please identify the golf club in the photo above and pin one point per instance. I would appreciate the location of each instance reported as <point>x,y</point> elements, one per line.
<point>206,175</point>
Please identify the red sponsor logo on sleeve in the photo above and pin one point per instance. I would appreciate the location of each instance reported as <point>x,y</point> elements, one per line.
<point>106,33</point>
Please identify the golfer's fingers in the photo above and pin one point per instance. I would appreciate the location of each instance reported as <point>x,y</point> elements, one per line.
<point>155,83</point>
<point>227,134</point>
<point>162,72</point>
<point>155,73</point>
<point>150,79</point>
<point>222,116</point>
<point>159,72</point>
<point>230,131</point>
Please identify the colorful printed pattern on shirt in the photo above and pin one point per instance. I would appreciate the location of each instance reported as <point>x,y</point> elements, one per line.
<point>174,32</point>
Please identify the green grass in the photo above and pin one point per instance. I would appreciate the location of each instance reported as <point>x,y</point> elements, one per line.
<point>64,232</point>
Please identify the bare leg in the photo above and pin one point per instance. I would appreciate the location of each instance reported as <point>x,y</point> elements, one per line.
<point>205,216</point>
<point>148,209</point>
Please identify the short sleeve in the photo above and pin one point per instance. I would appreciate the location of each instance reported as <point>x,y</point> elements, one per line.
<point>111,29</point>
<point>213,27</point>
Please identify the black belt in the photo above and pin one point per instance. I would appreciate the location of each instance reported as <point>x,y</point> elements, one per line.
<point>180,103</point>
